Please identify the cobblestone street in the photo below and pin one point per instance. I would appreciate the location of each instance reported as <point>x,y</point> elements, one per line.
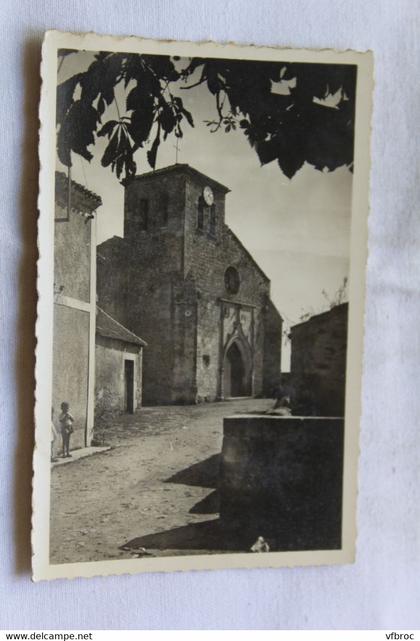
<point>156,485</point>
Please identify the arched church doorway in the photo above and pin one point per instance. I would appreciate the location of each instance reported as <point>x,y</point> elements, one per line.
<point>236,373</point>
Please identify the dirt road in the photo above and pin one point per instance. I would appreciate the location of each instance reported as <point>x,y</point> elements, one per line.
<point>155,485</point>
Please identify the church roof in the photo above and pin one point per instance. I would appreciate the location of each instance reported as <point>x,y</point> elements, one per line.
<point>246,252</point>
<point>108,327</point>
<point>186,169</point>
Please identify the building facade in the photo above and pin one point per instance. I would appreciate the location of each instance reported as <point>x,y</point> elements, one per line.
<point>318,359</point>
<point>182,280</point>
<point>74,306</point>
<point>118,362</point>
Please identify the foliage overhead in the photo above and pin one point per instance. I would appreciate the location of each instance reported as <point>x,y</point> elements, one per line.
<point>290,113</point>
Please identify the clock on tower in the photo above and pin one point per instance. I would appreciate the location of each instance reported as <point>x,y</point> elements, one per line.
<point>208,196</point>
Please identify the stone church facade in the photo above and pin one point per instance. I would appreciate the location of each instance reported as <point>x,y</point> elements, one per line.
<point>182,280</point>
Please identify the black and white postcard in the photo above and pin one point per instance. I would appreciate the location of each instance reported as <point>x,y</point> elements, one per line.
<point>203,241</point>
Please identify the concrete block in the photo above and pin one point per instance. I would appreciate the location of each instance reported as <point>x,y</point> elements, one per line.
<point>281,478</point>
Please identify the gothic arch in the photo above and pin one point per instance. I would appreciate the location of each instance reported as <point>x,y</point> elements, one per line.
<point>237,368</point>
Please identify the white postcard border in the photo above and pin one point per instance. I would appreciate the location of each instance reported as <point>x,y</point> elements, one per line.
<point>54,40</point>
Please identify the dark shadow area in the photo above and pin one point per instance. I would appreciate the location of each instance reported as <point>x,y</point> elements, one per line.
<point>205,536</point>
<point>202,474</point>
<point>218,536</point>
<point>25,329</point>
<point>209,505</point>
<point>283,480</point>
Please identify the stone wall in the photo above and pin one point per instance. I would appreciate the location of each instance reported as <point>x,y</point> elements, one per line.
<point>183,342</point>
<point>164,236</point>
<point>318,361</point>
<point>281,478</point>
<point>208,348</point>
<point>72,253</point>
<point>74,308</point>
<point>139,294</point>
<point>70,369</point>
<point>273,334</point>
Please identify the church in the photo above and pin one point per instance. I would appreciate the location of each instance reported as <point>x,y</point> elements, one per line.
<point>184,282</point>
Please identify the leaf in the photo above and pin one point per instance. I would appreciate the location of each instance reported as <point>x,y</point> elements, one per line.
<point>101,106</point>
<point>213,82</point>
<point>152,153</point>
<point>77,132</point>
<point>110,152</point>
<point>65,93</point>
<point>108,128</point>
<point>267,151</point>
<point>63,147</point>
<point>288,128</point>
<point>167,119</point>
<point>290,164</point>
<point>119,165</point>
<point>102,77</point>
<point>133,98</point>
<point>91,82</point>
<point>188,116</point>
<point>142,120</point>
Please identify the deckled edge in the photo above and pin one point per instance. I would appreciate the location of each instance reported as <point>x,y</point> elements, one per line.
<point>368,196</point>
<point>43,176</point>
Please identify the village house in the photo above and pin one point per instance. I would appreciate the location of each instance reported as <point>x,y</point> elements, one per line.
<point>74,305</point>
<point>318,360</point>
<point>119,356</point>
<point>183,280</point>
<point>80,329</point>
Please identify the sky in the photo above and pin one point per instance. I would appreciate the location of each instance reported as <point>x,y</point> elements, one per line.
<point>298,229</point>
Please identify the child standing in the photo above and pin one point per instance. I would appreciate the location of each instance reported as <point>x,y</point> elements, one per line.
<point>66,425</point>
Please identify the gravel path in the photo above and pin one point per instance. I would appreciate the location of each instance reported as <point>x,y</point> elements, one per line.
<point>160,475</point>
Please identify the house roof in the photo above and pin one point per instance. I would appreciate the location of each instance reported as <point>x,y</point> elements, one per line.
<point>182,168</point>
<point>110,328</point>
<point>82,200</point>
<point>342,308</point>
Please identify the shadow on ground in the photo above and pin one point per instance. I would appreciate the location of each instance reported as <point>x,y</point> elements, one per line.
<point>202,474</point>
<point>204,537</point>
<point>207,536</point>
<point>282,528</point>
<point>209,505</point>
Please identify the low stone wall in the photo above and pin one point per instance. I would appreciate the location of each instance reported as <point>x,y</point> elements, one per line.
<point>281,478</point>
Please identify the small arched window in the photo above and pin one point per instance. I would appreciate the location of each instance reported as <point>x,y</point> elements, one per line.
<point>232,280</point>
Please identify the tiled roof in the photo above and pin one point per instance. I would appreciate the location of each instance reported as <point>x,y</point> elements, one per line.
<point>110,328</point>
<point>82,199</point>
